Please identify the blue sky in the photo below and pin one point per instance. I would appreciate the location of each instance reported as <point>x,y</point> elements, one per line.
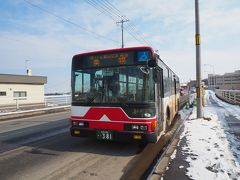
<point>28,33</point>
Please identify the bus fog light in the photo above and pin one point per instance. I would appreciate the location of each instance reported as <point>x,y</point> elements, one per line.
<point>136,136</point>
<point>135,127</point>
<point>77,132</point>
<point>144,127</point>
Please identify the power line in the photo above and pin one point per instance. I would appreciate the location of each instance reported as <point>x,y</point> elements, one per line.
<point>102,10</point>
<point>133,29</point>
<point>70,22</point>
<point>130,25</point>
<point>114,9</point>
<point>111,11</point>
<point>111,7</point>
<point>130,29</point>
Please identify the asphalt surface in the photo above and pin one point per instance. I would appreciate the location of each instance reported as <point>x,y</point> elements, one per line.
<point>42,148</point>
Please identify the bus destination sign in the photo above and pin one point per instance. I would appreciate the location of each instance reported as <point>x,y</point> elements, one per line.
<point>110,59</point>
<point>124,58</point>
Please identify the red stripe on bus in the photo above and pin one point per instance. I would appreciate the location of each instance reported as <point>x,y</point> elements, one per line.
<point>113,114</point>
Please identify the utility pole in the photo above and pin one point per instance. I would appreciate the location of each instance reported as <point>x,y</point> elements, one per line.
<point>122,21</point>
<point>198,62</point>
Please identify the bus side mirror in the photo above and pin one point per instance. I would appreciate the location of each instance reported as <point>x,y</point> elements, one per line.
<point>152,63</point>
<point>157,75</point>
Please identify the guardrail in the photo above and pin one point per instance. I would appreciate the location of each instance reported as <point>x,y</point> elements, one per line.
<point>57,100</point>
<point>231,96</point>
<point>50,102</point>
<point>33,110</point>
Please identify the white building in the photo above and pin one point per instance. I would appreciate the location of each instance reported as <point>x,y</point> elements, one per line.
<point>227,81</point>
<point>22,88</point>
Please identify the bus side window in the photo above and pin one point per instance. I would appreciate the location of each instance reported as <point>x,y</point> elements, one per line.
<point>165,81</point>
<point>170,81</point>
<point>161,83</point>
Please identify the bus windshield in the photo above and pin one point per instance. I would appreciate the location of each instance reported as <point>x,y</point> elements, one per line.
<point>124,84</point>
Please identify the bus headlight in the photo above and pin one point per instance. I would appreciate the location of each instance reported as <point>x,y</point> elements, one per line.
<point>144,127</point>
<point>135,127</point>
<point>80,124</point>
<point>74,123</point>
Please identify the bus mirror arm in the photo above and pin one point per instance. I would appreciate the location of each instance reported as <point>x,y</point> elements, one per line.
<point>156,75</point>
<point>151,63</point>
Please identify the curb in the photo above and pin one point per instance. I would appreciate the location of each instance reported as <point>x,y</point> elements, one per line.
<point>33,112</point>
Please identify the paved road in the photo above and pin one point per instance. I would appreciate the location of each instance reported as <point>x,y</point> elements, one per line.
<point>41,148</point>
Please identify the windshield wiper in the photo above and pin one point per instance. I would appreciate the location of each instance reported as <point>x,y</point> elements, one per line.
<point>91,99</point>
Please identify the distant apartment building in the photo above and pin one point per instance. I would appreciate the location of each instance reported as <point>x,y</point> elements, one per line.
<point>22,88</point>
<point>227,81</point>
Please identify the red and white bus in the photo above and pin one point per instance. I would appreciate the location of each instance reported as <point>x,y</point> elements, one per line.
<point>124,94</point>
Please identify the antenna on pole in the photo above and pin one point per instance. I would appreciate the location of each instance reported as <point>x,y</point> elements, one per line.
<point>26,61</point>
<point>28,71</point>
<point>122,21</point>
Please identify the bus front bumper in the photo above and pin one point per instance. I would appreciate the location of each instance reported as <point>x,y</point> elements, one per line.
<point>126,136</point>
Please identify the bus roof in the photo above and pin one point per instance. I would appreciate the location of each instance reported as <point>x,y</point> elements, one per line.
<point>116,50</point>
<point>124,49</point>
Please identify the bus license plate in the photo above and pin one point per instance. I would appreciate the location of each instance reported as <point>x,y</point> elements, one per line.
<point>105,135</point>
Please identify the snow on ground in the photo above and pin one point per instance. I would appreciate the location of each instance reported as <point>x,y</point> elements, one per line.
<point>207,148</point>
<point>223,111</point>
<point>230,109</point>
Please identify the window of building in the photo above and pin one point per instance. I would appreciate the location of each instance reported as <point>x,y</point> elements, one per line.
<point>19,94</point>
<point>3,93</point>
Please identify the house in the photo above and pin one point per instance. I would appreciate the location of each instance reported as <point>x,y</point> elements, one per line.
<point>22,89</point>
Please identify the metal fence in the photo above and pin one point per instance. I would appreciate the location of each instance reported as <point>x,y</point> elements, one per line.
<point>231,96</point>
<point>50,103</point>
<point>57,100</point>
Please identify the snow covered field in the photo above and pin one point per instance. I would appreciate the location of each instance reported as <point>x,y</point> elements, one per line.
<point>212,148</point>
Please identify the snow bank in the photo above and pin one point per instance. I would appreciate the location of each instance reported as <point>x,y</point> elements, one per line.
<point>232,109</point>
<point>207,148</point>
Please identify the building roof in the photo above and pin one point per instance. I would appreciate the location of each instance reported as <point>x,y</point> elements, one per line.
<point>22,79</point>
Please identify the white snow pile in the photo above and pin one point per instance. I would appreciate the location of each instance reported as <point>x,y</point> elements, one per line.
<point>224,111</point>
<point>207,149</point>
<point>234,110</point>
